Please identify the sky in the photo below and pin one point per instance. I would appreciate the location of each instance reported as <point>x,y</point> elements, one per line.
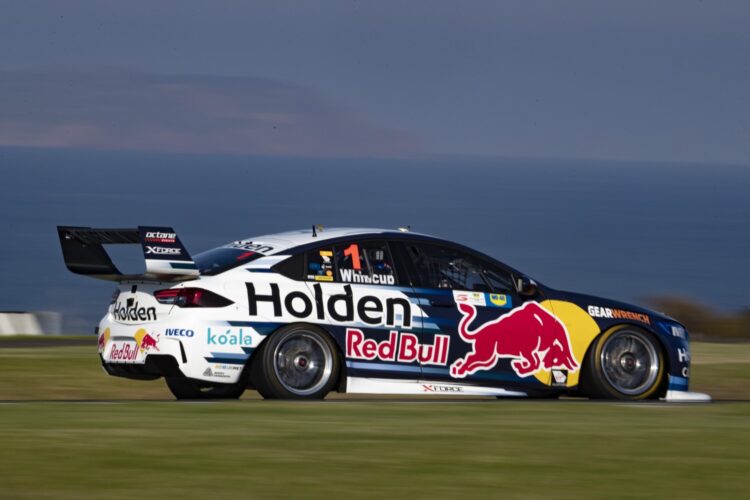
<point>638,81</point>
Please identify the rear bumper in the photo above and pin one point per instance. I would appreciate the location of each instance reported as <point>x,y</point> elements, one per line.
<point>156,366</point>
<point>210,351</point>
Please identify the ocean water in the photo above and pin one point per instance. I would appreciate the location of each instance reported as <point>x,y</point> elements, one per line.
<point>622,230</point>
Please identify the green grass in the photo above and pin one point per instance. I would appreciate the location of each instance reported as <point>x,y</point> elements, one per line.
<point>372,448</point>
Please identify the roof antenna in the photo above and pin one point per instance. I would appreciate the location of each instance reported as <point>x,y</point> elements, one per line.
<point>315,234</point>
<point>317,228</point>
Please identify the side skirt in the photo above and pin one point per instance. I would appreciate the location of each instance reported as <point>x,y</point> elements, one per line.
<point>686,397</point>
<point>360,385</point>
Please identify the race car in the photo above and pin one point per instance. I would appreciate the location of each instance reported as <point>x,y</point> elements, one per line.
<point>300,314</point>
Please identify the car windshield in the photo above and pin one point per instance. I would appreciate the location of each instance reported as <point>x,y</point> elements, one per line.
<point>218,260</point>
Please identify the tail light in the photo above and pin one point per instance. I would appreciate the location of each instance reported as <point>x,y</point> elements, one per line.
<point>191,297</point>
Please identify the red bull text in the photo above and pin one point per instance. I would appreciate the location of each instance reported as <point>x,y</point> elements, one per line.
<point>128,352</point>
<point>404,348</point>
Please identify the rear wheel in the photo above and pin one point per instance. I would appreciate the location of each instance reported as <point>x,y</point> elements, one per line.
<point>625,362</point>
<point>297,362</point>
<point>185,388</point>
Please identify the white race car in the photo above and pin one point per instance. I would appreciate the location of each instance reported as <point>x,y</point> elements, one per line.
<point>301,313</point>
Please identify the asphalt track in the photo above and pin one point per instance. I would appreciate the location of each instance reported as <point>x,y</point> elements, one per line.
<point>345,400</point>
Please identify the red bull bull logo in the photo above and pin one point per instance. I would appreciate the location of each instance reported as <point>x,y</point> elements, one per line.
<point>529,335</point>
<point>148,342</point>
<point>103,339</point>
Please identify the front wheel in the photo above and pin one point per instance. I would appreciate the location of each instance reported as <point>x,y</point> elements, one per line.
<point>185,388</point>
<point>297,362</point>
<point>625,362</point>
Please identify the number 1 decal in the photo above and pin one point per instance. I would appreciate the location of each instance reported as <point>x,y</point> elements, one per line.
<point>353,251</point>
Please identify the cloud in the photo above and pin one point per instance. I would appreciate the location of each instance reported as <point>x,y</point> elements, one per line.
<point>130,110</point>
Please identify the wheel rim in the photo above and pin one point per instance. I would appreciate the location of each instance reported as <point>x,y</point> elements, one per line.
<point>303,363</point>
<point>630,362</point>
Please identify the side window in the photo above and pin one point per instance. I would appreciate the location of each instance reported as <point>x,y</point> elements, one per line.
<point>319,264</point>
<point>368,262</point>
<point>445,267</point>
<point>499,279</point>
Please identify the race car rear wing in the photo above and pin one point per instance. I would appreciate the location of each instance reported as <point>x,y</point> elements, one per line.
<point>166,257</point>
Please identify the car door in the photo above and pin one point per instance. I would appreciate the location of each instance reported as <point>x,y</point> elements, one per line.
<point>369,309</point>
<point>460,293</point>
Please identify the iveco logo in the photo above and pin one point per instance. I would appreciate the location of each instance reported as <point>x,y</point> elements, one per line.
<point>162,251</point>
<point>179,332</point>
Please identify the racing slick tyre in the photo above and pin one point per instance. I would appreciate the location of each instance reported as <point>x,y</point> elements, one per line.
<point>296,362</point>
<point>185,388</point>
<point>624,362</point>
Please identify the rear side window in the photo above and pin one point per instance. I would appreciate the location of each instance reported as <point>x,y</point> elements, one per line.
<point>368,262</point>
<point>320,264</point>
<point>222,259</point>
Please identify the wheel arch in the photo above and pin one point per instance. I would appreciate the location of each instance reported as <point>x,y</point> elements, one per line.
<point>664,349</point>
<point>340,384</point>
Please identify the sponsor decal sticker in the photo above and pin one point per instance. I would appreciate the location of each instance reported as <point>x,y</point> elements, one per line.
<point>131,312</point>
<point>481,299</point>
<point>683,357</point>
<point>341,307</point>
<point>324,269</point>
<point>127,351</point>
<point>251,246</point>
<point>352,276</point>
<point>434,388</point>
<point>146,341</point>
<point>229,337</point>
<point>532,337</point>
<point>679,332</point>
<point>559,378</point>
<point>103,339</point>
<point>157,237</point>
<point>231,368</point>
<point>398,347</point>
<point>499,300</point>
<point>179,332</point>
<point>220,371</point>
<point>162,251</point>
<point>608,313</point>
<point>474,298</point>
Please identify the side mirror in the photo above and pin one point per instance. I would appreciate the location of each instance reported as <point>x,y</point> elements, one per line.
<point>526,286</point>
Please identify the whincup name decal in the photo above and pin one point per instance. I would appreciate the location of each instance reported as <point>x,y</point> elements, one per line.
<point>368,309</point>
<point>352,276</point>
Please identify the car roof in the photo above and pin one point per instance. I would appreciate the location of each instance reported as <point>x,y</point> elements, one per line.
<point>292,239</point>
